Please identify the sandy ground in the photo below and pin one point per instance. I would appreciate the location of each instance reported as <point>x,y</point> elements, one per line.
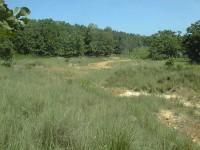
<point>129,93</point>
<point>106,64</point>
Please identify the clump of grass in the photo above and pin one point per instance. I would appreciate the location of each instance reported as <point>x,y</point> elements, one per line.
<point>154,79</point>
<point>170,62</point>
<point>67,60</point>
<point>179,67</point>
<point>87,85</point>
<point>7,63</point>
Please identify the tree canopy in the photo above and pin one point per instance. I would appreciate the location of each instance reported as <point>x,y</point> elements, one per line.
<point>192,41</point>
<point>10,21</point>
<point>165,44</point>
<point>56,38</point>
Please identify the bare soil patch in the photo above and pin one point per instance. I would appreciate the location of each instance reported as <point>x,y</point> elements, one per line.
<point>181,123</point>
<point>131,93</point>
<point>106,64</point>
<point>100,65</point>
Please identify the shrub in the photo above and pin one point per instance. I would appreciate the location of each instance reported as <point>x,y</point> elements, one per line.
<point>6,48</point>
<point>170,62</point>
<point>179,67</point>
<point>192,41</point>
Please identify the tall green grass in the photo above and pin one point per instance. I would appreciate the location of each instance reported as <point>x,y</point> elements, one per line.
<point>44,109</point>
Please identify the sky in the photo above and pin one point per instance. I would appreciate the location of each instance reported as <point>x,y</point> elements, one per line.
<point>143,17</point>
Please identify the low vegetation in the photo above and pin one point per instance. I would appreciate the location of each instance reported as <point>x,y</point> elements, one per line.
<point>66,108</point>
<point>157,78</point>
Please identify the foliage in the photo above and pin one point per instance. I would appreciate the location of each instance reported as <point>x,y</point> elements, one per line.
<point>6,48</point>
<point>192,41</point>
<point>140,53</point>
<point>120,42</point>
<point>42,37</point>
<point>102,42</point>
<point>55,38</point>
<point>125,43</point>
<point>170,62</point>
<point>12,19</point>
<point>6,45</point>
<point>75,44</point>
<point>165,44</point>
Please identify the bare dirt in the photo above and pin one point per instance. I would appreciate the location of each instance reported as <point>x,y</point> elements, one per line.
<point>181,123</point>
<point>106,64</point>
<point>100,65</point>
<point>130,93</point>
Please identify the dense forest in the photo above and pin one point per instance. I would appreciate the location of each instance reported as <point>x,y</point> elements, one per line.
<point>47,37</point>
<point>55,38</point>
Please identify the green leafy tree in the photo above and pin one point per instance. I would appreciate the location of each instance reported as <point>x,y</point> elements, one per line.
<point>55,38</point>
<point>165,44</point>
<point>120,42</point>
<point>75,44</point>
<point>102,42</point>
<point>6,48</point>
<point>43,37</point>
<point>192,41</point>
<point>6,45</point>
<point>125,43</point>
<point>10,21</point>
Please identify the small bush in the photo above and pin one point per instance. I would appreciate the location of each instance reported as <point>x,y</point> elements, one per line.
<point>6,49</point>
<point>7,63</point>
<point>87,85</point>
<point>155,56</point>
<point>179,67</point>
<point>67,60</point>
<point>170,62</point>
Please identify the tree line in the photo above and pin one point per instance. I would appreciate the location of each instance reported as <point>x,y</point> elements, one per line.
<point>47,37</point>
<point>56,38</point>
<point>167,44</point>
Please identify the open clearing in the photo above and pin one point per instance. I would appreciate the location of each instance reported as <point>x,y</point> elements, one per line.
<point>98,103</point>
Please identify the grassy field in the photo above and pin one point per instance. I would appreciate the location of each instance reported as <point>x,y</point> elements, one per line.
<point>69,103</point>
